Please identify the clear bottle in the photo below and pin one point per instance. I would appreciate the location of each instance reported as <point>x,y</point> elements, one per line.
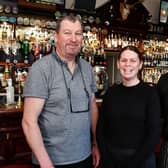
<point>10,94</point>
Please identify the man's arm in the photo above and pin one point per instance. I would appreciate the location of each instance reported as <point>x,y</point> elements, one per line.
<point>32,110</point>
<point>94,119</point>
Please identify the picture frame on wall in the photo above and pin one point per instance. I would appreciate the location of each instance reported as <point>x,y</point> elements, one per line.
<point>163,14</point>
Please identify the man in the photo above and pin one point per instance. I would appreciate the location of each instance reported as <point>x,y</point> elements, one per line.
<point>59,105</point>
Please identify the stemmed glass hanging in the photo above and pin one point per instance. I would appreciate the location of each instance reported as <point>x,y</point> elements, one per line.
<point>6,48</point>
<point>15,50</point>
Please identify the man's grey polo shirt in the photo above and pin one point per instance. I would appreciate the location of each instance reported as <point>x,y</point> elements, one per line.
<point>66,135</point>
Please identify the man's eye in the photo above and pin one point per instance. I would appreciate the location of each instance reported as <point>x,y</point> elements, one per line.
<point>79,34</point>
<point>66,32</point>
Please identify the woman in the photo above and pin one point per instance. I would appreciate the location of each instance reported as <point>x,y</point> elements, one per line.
<point>129,123</point>
<point>162,87</point>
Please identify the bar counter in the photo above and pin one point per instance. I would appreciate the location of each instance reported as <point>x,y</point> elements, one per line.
<point>4,109</point>
<point>13,146</point>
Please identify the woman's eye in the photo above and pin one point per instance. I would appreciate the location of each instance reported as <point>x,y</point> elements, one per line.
<point>133,60</point>
<point>123,60</point>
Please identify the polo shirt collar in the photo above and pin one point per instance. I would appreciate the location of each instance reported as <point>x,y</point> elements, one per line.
<point>55,55</point>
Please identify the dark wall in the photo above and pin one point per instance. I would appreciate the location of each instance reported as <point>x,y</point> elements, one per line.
<point>85,4</point>
<point>112,12</point>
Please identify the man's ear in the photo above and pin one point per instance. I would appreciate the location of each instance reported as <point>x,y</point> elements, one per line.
<point>118,67</point>
<point>55,36</point>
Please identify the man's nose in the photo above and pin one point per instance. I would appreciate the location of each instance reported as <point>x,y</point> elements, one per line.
<point>73,37</point>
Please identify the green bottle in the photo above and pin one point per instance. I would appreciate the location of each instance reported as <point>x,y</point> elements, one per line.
<point>25,48</point>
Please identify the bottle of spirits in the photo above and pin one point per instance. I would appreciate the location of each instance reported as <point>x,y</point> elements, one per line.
<point>25,48</point>
<point>10,94</point>
<point>6,72</point>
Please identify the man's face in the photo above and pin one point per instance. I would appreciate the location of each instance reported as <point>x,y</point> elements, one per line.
<point>69,39</point>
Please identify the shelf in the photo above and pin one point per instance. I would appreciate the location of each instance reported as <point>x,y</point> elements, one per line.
<point>156,67</point>
<point>36,6</point>
<point>20,64</point>
<point>37,9</point>
<point>112,49</point>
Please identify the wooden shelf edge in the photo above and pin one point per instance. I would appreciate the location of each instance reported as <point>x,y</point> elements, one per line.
<point>19,64</point>
<point>39,7</point>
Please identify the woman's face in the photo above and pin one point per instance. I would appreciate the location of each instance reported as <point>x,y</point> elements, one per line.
<point>129,65</point>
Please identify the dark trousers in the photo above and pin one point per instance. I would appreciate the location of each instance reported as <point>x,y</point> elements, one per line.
<point>87,163</point>
<point>150,162</point>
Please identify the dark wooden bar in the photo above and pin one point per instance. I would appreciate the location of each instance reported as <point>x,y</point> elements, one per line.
<point>13,146</point>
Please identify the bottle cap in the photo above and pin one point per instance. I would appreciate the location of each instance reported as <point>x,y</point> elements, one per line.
<point>9,81</point>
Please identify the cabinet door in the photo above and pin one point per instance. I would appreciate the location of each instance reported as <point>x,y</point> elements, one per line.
<point>13,146</point>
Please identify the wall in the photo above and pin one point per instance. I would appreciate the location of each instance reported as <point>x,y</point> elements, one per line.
<point>152,6</point>
<point>70,3</point>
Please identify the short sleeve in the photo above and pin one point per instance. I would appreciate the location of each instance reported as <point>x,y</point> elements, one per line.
<point>36,83</point>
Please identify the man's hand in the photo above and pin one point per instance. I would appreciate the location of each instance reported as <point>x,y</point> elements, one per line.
<point>95,155</point>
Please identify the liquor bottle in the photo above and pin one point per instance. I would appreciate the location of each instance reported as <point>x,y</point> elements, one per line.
<point>115,41</point>
<point>42,50</point>
<point>6,75</point>
<point>4,33</point>
<point>10,94</point>
<point>104,60</point>
<point>25,48</point>
<point>6,72</point>
<point>96,58</point>
<point>99,57</point>
<point>119,41</point>
<point>36,50</point>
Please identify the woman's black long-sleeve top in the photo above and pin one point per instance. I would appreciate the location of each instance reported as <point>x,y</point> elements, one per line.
<point>162,87</point>
<point>129,119</point>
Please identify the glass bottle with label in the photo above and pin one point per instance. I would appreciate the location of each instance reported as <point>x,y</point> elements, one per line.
<point>25,49</point>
